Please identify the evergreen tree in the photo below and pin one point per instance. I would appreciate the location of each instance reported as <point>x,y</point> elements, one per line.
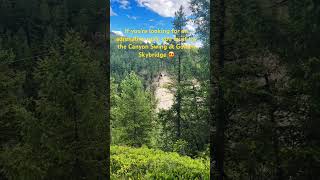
<point>69,109</point>
<point>134,112</point>
<point>179,24</point>
<point>14,123</point>
<point>217,107</point>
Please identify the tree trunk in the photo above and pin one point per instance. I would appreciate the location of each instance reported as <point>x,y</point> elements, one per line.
<point>179,90</point>
<point>78,173</point>
<point>107,91</point>
<point>217,109</point>
<point>275,134</point>
<point>179,99</point>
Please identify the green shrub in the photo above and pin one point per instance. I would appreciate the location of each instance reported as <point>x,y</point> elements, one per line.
<point>145,163</point>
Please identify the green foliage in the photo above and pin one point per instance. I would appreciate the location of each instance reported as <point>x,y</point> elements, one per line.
<point>308,160</point>
<point>125,62</point>
<point>19,162</point>
<point>14,122</point>
<point>179,22</point>
<point>133,112</point>
<point>49,88</point>
<point>270,85</point>
<point>194,112</point>
<point>52,113</point>
<point>144,163</point>
<point>70,106</point>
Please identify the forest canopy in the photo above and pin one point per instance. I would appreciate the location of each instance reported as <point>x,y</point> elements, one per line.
<point>244,105</point>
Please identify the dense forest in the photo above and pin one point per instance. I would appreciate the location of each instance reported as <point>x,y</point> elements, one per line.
<point>250,105</point>
<point>245,105</point>
<point>264,80</point>
<point>52,90</point>
<point>158,105</point>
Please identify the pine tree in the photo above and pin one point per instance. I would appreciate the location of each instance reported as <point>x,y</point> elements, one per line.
<point>14,123</point>
<point>69,108</point>
<point>134,112</point>
<point>179,24</point>
<point>44,11</point>
<point>217,109</point>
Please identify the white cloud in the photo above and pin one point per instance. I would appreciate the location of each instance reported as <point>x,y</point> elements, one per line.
<point>165,8</point>
<point>197,44</point>
<point>124,4</point>
<point>119,33</point>
<point>112,13</point>
<point>191,27</point>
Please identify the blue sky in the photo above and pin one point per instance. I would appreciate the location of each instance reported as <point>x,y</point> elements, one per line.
<point>145,14</point>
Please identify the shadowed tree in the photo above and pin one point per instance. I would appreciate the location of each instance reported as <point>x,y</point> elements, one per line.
<point>217,109</point>
<point>107,88</point>
<point>179,23</point>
